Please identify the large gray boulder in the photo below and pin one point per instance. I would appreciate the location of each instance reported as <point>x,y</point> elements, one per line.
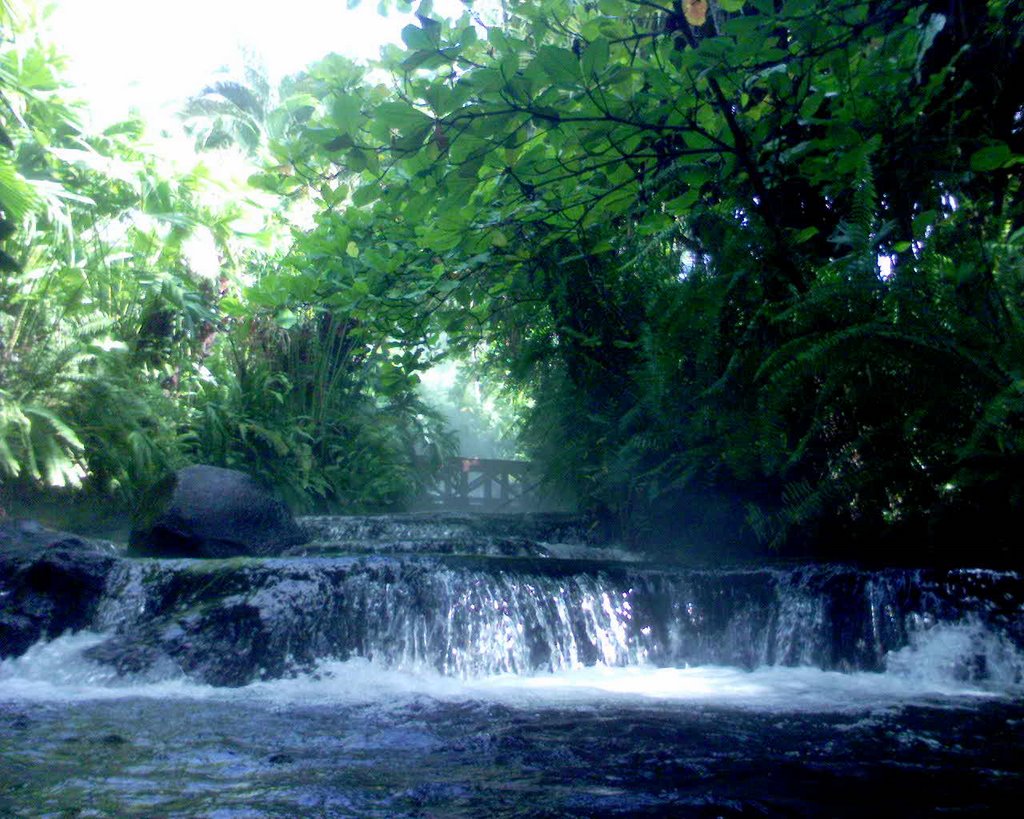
<point>206,511</point>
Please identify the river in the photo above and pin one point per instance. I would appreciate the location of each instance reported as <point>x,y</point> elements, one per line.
<point>507,686</point>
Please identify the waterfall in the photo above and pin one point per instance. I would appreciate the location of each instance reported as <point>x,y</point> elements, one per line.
<point>470,597</point>
<point>232,622</point>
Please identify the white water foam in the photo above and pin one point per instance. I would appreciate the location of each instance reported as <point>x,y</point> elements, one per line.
<point>58,670</point>
<point>943,665</point>
<point>964,652</point>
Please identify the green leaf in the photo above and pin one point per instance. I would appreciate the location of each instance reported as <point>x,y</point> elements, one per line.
<point>346,113</point>
<point>399,116</point>
<point>17,196</point>
<point>340,143</point>
<point>286,318</point>
<point>365,194</point>
<point>233,307</point>
<point>680,205</point>
<point>559,64</point>
<point>595,57</point>
<point>417,38</point>
<point>991,157</point>
<point>61,429</point>
<point>923,221</point>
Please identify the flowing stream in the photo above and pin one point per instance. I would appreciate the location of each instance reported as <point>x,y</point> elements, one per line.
<point>432,667</point>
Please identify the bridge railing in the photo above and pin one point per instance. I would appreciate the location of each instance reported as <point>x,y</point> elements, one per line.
<point>484,484</point>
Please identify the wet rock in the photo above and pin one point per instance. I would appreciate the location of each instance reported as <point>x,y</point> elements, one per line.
<point>50,582</point>
<point>229,623</point>
<point>533,535</point>
<point>453,527</point>
<point>205,511</point>
<point>26,536</point>
<point>484,545</point>
<point>135,653</point>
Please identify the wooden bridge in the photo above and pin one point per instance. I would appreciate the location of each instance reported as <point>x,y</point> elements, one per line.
<point>485,485</point>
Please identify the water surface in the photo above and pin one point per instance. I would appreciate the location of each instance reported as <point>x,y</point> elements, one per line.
<point>357,739</point>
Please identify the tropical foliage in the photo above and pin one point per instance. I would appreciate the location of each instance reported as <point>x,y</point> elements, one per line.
<point>750,270</point>
<point>756,263</point>
<point>140,321</point>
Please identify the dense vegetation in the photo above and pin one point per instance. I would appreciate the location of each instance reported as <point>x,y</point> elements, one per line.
<point>141,317</point>
<point>751,269</point>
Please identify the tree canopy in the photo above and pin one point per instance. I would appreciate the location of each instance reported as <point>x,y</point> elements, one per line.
<point>751,268</point>
<point>757,263</point>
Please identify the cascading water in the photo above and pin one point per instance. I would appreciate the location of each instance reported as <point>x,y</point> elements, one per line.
<point>456,655</point>
<point>472,617</point>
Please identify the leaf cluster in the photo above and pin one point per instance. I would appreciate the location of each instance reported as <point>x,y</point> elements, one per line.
<point>757,267</point>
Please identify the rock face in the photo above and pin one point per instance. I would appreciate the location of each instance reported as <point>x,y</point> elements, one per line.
<point>205,511</point>
<point>50,582</point>
<point>233,622</point>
